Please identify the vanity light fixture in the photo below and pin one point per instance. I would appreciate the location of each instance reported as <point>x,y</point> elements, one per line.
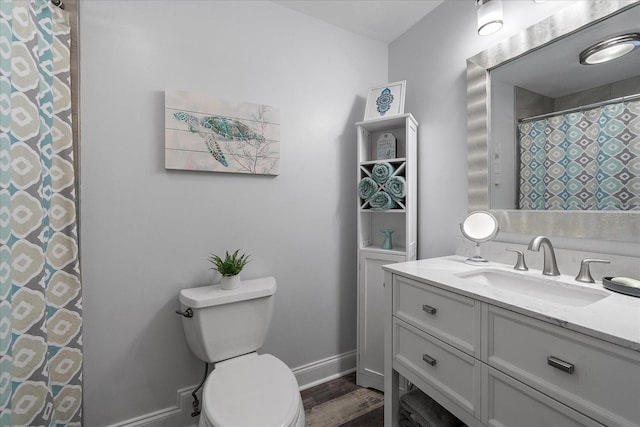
<point>489,16</point>
<point>610,49</point>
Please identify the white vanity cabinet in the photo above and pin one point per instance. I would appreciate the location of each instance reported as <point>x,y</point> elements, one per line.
<point>400,132</point>
<point>492,366</point>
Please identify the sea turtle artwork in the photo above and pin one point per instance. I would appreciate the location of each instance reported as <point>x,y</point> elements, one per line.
<point>197,126</point>
<point>241,138</point>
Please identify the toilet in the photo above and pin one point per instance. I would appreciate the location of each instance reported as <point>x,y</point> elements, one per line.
<point>245,389</point>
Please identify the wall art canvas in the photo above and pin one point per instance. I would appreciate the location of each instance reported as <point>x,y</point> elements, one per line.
<point>205,133</point>
<point>385,101</point>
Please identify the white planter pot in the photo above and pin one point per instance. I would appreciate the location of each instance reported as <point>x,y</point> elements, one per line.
<point>230,282</point>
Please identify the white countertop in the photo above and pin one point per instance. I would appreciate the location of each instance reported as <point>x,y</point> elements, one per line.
<point>615,318</point>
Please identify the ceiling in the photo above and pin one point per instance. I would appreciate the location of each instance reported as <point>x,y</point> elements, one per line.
<point>383,20</point>
<point>386,20</point>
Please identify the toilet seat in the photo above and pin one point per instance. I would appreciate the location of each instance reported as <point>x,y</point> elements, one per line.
<point>251,390</point>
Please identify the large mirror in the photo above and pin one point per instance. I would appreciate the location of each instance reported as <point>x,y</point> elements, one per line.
<point>518,79</point>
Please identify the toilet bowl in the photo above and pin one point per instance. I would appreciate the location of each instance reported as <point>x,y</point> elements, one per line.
<point>251,391</point>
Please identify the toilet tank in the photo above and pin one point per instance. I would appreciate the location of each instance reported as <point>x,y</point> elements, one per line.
<point>228,323</point>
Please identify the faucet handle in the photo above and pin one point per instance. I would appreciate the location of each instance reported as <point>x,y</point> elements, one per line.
<point>520,263</point>
<point>585,274</point>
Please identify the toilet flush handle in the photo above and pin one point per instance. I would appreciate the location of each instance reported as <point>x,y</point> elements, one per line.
<point>187,313</point>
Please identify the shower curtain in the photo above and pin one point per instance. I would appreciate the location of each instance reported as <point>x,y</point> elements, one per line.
<point>584,160</point>
<point>40,293</point>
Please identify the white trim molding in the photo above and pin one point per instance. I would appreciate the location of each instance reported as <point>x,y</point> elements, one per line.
<point>325,370</point>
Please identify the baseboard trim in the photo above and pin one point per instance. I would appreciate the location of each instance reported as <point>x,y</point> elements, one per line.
<point>308,375</point>
<point>325,370</point>
<point>179,415</point>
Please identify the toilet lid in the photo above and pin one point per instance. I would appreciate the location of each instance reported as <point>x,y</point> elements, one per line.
<point>251,390</point>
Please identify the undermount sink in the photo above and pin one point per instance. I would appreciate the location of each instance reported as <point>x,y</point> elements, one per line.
<point>540,288</point>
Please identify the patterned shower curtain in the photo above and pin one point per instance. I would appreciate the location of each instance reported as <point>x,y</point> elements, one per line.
<point>584,160</point>
<point>40,293</point>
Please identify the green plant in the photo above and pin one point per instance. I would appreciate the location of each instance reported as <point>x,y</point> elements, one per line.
<point>231,265</point>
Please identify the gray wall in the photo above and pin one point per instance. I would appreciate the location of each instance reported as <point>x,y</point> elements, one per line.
<point>146,232</point>
<point>627,87</point>
<point>431,56</point>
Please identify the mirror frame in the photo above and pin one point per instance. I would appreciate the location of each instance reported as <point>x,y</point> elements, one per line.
<point>601,225</point>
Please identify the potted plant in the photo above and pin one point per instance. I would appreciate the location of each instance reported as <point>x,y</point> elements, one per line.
<point>230,267</point>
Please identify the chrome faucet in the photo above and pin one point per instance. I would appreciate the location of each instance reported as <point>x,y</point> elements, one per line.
<point>550,267</point>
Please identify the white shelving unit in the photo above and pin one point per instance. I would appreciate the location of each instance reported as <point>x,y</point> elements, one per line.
<point>402,218</point>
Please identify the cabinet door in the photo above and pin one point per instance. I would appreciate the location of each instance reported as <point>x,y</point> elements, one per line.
<point>371,318</point>
<point>599,379</point>
<point>507,402</point>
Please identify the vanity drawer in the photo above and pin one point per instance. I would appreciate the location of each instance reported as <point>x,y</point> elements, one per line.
<point>450,371</point>
<point>598,379</point>
<point>453,318</point>
<point>508,402</point>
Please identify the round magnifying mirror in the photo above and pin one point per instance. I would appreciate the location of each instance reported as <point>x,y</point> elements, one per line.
<point>479,226</point>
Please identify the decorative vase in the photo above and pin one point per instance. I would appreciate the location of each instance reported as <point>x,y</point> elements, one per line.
<point>387,244</point>
<point>230,282</point>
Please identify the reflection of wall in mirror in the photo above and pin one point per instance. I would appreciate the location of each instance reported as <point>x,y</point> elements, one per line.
<point>528,103</point>
<point>626,87</point>
<point>503,155</point>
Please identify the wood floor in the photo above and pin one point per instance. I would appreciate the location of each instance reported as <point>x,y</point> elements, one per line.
<point>341,402</point>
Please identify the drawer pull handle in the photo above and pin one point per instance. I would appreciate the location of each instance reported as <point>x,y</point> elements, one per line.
<point>430,360</point>
<point>429,309</point>
<point>561,364</point>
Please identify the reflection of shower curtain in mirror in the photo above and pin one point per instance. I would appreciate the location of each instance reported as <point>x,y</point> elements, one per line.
<point>584,160</point>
